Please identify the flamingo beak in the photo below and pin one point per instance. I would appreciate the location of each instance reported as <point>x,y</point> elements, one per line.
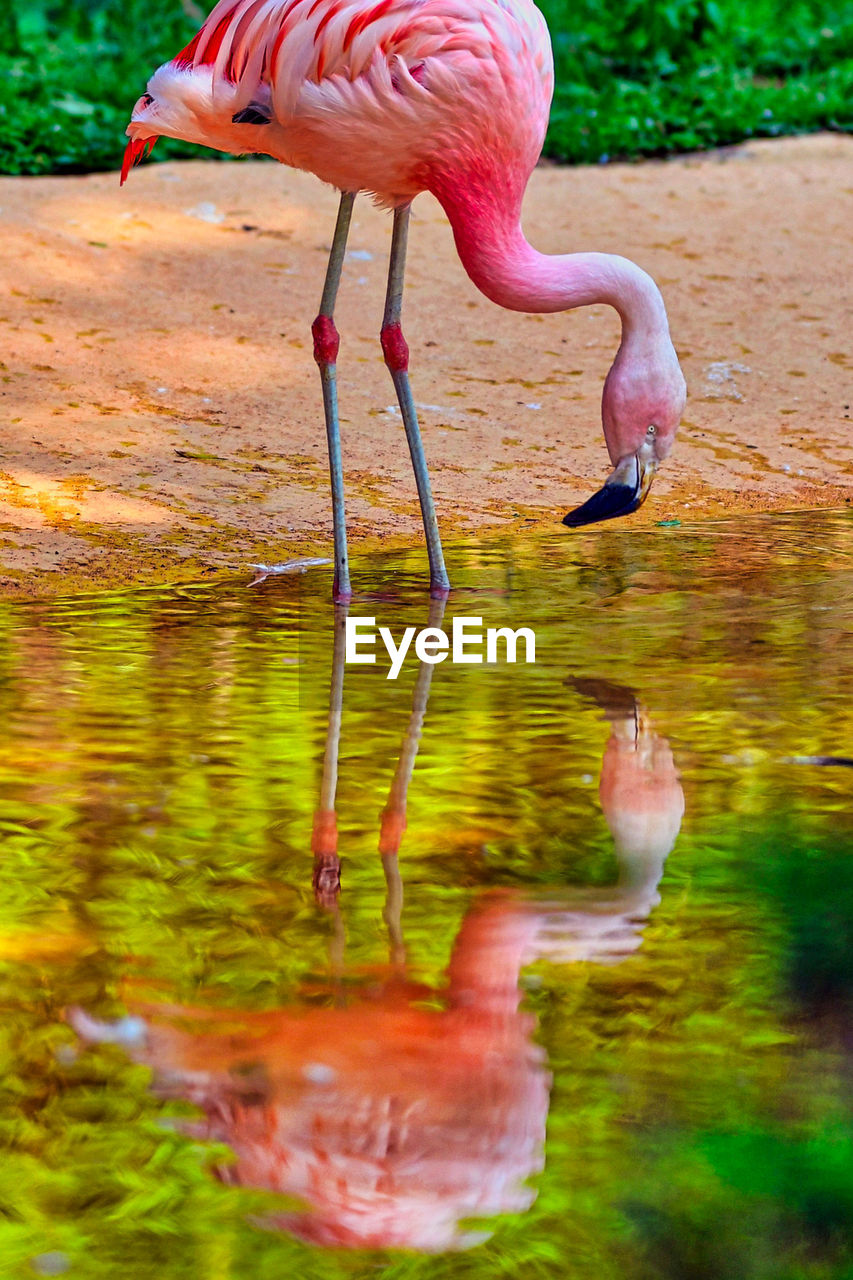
<point>135,150</point>
<point>624,491</point>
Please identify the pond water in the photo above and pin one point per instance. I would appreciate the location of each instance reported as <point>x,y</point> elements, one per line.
<point>532,970</point>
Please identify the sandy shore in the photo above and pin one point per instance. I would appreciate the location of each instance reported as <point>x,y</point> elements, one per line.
<point>160,406</point>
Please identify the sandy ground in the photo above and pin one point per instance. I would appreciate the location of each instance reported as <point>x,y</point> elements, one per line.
<point>161,415</point>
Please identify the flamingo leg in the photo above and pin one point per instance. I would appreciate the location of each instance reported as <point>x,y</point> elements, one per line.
<point>396,352</point>
<point>326,344</point>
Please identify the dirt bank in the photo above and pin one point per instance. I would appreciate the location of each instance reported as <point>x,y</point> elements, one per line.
<point>160,406</point>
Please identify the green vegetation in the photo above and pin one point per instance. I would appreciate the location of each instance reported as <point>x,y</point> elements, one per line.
<point>70,72</point>
<point>646,77</point>
<point>649,77</point>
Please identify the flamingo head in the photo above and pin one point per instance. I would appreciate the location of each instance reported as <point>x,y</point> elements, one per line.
<point>643,400</point>
<point>183,102</point>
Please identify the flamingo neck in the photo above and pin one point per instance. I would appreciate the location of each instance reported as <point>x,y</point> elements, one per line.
<point>507,269</point>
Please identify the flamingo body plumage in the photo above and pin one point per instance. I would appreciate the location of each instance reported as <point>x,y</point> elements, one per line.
<point>386,98</point>
<point>396,97</point>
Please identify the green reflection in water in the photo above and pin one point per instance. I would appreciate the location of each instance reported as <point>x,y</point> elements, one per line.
<point>161,772</point>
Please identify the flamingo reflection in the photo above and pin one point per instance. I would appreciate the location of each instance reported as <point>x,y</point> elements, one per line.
<point>396,1117</point>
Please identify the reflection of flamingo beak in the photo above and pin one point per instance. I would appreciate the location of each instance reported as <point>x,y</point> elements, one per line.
<point>136,150</point>
<point>623,491</point>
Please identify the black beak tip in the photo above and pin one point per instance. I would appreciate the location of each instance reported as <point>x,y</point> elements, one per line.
<point>611,501</point>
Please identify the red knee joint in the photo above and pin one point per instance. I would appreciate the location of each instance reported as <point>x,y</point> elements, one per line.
<point>395,348</point>
<point>324,837</point>
<point>391,831</point>
<point>326,340</point>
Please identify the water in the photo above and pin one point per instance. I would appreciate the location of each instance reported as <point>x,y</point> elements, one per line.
<point>539,970</point>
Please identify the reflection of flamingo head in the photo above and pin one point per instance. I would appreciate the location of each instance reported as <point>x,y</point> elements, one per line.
<point>640,791</point>
<point>643,805</point>
<point>642,801</point>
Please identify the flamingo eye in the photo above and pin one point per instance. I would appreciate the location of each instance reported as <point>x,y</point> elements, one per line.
<point>146,100</point>
<point>652,430</point>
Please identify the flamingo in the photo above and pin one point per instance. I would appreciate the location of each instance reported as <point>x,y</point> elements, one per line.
<point>396,97</point>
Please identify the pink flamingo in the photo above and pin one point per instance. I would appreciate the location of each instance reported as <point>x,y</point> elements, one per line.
<point>395,97</point>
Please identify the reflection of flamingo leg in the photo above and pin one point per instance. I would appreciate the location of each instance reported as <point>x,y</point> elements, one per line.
<point>324,844</point>
<point>394,813</point>
<point>324,840</point>
<point>392,912</point>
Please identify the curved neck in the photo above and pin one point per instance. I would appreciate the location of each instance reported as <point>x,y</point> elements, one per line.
<point>508,270</point>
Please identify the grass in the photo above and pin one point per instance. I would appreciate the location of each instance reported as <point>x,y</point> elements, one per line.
<point>647,77</point>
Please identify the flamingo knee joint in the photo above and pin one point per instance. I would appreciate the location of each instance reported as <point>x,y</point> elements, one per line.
<point>395,348</point>
<point>327,340</point>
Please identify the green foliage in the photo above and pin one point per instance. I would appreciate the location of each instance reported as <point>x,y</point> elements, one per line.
<point>70,72</point>
<point>819,968</point>
<point>650,77</point>
<point>646,77</point>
